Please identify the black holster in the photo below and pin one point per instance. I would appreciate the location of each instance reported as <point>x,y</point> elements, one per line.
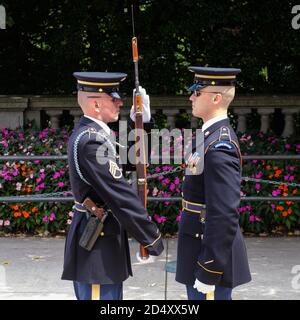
<point>93,228</point>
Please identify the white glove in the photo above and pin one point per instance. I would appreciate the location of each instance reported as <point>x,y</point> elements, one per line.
<point>146,106</point>
<point>150,259</point>
<point>202,287</point>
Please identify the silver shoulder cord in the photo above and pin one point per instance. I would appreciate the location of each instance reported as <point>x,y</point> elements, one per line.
<point>75,150</point>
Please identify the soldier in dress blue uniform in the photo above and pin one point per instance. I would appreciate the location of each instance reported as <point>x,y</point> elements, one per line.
<point>212,257</point>
<point>95,173</point>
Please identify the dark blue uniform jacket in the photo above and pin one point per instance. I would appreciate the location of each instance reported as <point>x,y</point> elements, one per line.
<point>214,252</point>
<point>109,261</point>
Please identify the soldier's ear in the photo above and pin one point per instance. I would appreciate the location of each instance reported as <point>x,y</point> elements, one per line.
<point>218,98</point>
<point>96,106</point>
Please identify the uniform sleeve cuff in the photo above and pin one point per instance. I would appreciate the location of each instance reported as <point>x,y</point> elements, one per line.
<point>207,276</point>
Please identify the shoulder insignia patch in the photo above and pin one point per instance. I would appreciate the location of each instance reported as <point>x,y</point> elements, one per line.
<point>223,144</point>
<point>114,170</point>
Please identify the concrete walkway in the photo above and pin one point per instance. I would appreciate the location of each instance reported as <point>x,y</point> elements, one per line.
<point>30,268</point>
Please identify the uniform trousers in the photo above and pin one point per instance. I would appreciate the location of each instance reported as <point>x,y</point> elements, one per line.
<point>221,293</point>
<point>87,291</point>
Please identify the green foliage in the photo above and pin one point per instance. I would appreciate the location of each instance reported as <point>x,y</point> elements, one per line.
<point>46,41</point>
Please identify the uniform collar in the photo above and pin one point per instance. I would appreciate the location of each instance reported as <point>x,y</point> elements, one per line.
<point>100,123</point>
<point>210,122</point>
<point>216,126</point>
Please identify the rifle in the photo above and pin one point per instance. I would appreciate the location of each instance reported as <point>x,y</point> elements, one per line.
<point>139,128</point>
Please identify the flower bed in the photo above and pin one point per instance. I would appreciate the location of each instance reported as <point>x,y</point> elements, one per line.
<point>31,177</point>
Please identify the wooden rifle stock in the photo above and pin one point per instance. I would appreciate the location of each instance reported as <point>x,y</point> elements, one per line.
<point>139,137</point>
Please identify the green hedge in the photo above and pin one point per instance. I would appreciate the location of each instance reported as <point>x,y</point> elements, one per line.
<point>46,41</point>
<point>25,178</point>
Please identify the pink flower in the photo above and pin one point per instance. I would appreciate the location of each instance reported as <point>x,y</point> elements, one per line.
<point>154,192</point>
<point>45,219</point>
<point>157,169</point>
<point>1,223</point>
<point>273,206</point>
<point>160,219</point>
<point>61,184</point>
<point>178,217</point>
<point>257,186</point>
<point>5,144</point>
<point>176,180</point>
<point>254,218</point>
<point>18,186</point>
<point>258,175</point>
<point>288,146</point>
<point>6,223</point>
<point>52,216</point>
<point>166,181</point>
<point>291,178</point>
<point>276,193</point>
<point>172,186</point>
<point>56,175</point>
<point>292,168</point>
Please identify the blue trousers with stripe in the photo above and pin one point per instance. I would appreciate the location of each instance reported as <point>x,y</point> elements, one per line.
<point>221,293</point>
<point>83,291</point>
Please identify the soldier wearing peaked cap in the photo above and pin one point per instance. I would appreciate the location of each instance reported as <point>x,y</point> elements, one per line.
<point>211,256</point>
<point>97,257</point>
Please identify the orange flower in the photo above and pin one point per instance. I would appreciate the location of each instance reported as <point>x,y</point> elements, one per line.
<point>268,167</point>
<point>26,214</point>
<point>17,214</point>
<point>295,191</point>
<point>277,173</point>
<point>280,208</point>
<point>23,168</point>
<point>284,214</point>
<point>289,202</point>
<point>28,190</point>
<point>275,168</point>
<point>15,207</point>
<point>23,174</point>
<point>35,209</point>
<point>290,211</point>
<point>285,194</point>
<point>270,176</point>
